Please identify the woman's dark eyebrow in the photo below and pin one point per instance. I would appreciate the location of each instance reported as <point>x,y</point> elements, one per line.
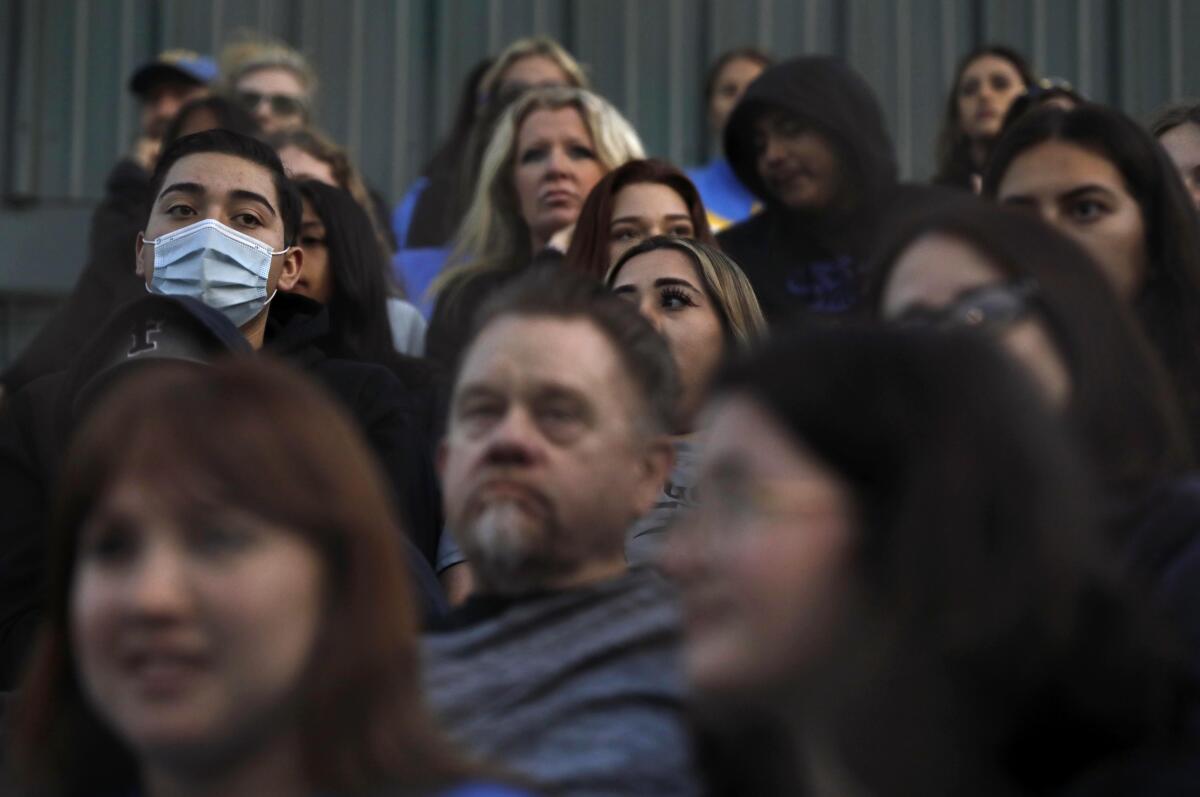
<point>1087,189</point>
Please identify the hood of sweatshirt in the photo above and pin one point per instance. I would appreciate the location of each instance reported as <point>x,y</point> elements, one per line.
<point>838,102</point>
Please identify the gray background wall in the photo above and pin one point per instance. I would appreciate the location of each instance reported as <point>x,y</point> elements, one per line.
<point>390,72</point>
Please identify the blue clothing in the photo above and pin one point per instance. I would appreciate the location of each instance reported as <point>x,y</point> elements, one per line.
<point>415,267</point>
<point>482,789</point>
<point>725,198</point>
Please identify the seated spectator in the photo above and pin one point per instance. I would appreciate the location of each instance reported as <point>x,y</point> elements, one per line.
<point>1098,177</point>
<point>272,81</point>
<point>808,139</point>
<point>549,150</point>
<point>310,155</point>
<point>633,202</point>
<point>162,86</point>
<point>227,619</point>
<point>433,210</point>
<point>726,199</point>
<point>344,269</point>
<point>896,556</point>
<point>703,305</point>
<point>1178,130</point>
<point>1046,301</point>
<point>223,232</point>
<point>989,79</point>
<point>563,666</point>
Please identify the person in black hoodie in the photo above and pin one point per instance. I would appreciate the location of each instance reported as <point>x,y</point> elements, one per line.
<point>204,183</point>
<point>808,139</point>
<point>106,281</point>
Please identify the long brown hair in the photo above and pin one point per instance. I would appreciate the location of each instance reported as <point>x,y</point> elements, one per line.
<point>258,436</point>
<point>589,251</point>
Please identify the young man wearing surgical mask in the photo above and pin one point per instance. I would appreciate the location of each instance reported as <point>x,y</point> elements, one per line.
<point>221,237</point>
<point>223,229</point>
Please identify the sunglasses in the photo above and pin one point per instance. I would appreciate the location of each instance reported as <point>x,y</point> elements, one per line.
<point>990,308</point>
<point>281,104</point>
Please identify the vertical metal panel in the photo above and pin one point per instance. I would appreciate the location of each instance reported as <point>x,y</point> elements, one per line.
<point>79,129</point>
<point>391,69</point>
<point>1175,47</point>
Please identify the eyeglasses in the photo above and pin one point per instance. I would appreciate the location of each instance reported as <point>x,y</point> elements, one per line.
<point>280,104</point>
<point>990,308</point>
<point>729,507</point>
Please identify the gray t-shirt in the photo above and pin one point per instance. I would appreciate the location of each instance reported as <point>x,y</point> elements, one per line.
<point>646,537</point>
<point>580,690</point>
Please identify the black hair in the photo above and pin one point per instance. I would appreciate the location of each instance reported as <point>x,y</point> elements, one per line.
<point>1173,116</point>
<point>1168,304</point>
<point>557,293</point>
<point>229,115</point>
<point>955,165</point>
<point>989,609</point>
<point>448,158</point>
<point>1121,408</point>
<point>227,142</point>
<point>1037,95</point>
<point>358,303</point>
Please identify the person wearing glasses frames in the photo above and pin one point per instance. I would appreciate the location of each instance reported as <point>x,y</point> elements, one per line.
<point>275,83</point>
<point>1019,281</point>
<point>894,560</point>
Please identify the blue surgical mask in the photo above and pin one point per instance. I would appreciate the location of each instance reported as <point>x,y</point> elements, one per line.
<point>225,269</point>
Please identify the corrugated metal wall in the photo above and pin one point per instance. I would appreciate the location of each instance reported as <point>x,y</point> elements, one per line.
<point>390,73</point>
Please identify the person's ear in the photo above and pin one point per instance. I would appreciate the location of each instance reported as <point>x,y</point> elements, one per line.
<point>138,245</point>
<point>657,459</point>
<point>289,274</point>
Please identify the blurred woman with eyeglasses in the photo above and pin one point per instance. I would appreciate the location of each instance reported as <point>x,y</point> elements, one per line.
<point>1042,298</point>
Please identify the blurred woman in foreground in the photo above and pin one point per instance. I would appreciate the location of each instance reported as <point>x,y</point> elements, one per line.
<point>895,555</point>
<point>228,611</point>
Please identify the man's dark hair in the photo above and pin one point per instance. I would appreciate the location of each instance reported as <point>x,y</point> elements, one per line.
<point>1173,116</point>
<point>229,115</point>
<point>227,142</point>
<point>559,294</point>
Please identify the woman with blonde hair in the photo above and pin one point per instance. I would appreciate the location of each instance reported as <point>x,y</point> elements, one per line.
<point>429,214</point>
<point>549,150</point>
<point>702,303</point>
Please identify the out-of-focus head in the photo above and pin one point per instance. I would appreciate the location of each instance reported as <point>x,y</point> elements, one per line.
<point>549,149</point>
<point>635,201</point>
<point>207,598</point>
<point>166,84</point>
<point>986,82</point>
<point>1100,178</point>
<point>534,62</point>
<point>865,490</point>
<point>557,433</point>
<point>699,300</point>
<point>1013,278</point>
<point>809,135</point>
<point>231,178</point>
<point>271,80</point>
<point>1178,130</point>
<point>1043,93</point>
<point>210,113</point>
<point>727,80</point>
